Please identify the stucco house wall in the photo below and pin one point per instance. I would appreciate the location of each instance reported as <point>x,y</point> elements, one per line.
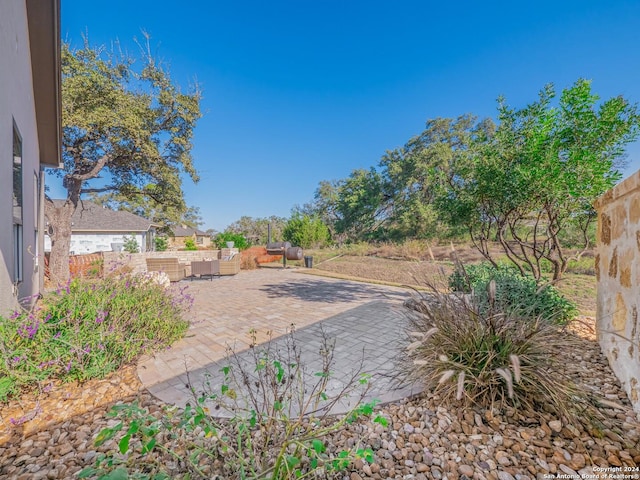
<point>28,57</point>
<point>181,234</point>
<point>618,275</point>
<point>95,228</point>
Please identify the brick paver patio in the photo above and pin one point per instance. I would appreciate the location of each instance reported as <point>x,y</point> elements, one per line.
<point>366,321</point>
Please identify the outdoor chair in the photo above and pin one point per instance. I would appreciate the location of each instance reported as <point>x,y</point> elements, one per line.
<point>171,266</point>
<point>230,264</point>
<point>203,268</point>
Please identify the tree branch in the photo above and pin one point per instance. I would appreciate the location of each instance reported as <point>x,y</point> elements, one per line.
<point>99,165</point>
<point>98,190</point>
<point>510,252</point>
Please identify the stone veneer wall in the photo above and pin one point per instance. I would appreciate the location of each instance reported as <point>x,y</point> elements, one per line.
<point>618,273</point>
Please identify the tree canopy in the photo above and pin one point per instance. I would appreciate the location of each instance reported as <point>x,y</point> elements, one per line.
<point>522,180</point>
<point>306,232</point>
<point>415,174</point>
<point>127,128</point>
<point>255,229</point>
<point>164,214</point>
<point>539,174</point>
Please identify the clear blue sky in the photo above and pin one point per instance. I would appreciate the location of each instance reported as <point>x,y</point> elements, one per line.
<point>296,92</point>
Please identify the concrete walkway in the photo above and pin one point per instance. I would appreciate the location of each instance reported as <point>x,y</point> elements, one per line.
<point>365,321</point>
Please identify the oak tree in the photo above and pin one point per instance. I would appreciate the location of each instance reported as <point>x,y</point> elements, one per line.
<point>127,128</point>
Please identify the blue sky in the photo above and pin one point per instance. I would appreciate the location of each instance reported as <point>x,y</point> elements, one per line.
<point>299,92</point>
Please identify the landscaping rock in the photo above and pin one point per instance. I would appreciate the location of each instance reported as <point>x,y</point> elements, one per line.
<point>424,440</point>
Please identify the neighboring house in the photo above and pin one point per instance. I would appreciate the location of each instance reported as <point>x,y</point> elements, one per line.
<point>98,229</point>
<point>181,234</point>
<point>30,139</point>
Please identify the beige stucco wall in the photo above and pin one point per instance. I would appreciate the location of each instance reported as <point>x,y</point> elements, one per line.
<point>179,242</point>
<point>618,273</point>
<point>17,105</point>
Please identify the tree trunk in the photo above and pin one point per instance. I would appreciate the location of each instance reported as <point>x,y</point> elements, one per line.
<point>59,218</point>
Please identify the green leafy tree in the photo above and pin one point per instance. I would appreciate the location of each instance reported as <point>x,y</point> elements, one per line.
<point>539,175</point>
<point>166,215</point>
<point>161,244</point>
<point>254,230</point>
<point>415,173</point>
<point>325,207</point>
<point>238,240</point>
<point>190,244</point>
<point>306,232</point>
<point>360,207</point>
<point>125,125</point>
<point>130,244</point>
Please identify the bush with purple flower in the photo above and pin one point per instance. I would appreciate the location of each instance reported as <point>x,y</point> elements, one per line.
<point>88,329</point>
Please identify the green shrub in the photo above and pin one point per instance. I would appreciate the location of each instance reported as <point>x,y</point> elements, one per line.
<point>95,269</point>
<point>88,329</point>
<point>130,244</point>
<point>240,242</point>
<point>518,294</point>
<point>488,359</point>
<point>464,279</point>
<point>161,244</point>
<point>190,244</point>
<point>306,232</point>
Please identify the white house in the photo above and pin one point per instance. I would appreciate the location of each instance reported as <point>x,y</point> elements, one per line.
<point>30,139</point>
<point>98,229</point>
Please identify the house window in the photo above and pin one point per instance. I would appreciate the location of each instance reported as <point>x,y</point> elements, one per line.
<point>18,261</point>
<point>36,217</point>
<point>200,239</point>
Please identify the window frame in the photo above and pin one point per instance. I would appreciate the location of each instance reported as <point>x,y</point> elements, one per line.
<point>18,206</point>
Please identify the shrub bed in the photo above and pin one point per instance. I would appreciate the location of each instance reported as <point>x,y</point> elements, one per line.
<point>518,294</point>
<point>87,330</point>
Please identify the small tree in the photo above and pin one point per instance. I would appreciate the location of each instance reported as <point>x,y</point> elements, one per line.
<point>539,174</point>
<point>325,207</point>
<point>130,244</point>
<point>161,244</point>
<point>190,244</point>
<point>255,230</point>
<point>306,232</point>
<point>238,240</point>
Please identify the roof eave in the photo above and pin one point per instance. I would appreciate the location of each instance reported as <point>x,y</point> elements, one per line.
<point>110,230</point>
<point>43,18</point>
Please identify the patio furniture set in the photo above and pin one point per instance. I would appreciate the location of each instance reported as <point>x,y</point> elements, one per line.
<point>176,271</point>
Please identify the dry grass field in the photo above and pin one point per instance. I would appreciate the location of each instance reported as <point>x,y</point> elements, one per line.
<point>417,264</point>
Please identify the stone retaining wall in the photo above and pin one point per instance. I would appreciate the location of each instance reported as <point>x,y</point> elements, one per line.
<point>137,262</point>
<point>618,272</point>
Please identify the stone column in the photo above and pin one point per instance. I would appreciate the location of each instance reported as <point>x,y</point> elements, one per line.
<point>618,274</point>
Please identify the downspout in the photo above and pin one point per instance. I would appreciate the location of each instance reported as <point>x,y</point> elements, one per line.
<point>40,222</point>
